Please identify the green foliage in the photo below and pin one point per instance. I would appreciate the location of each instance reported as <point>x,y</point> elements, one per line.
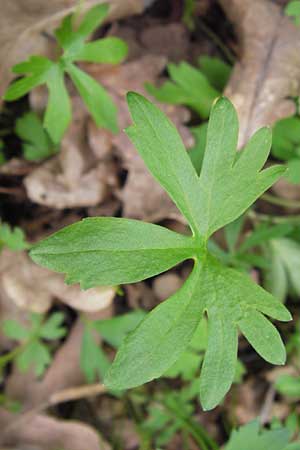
<point>189,86</point>
<point>216,71</point>
<point>292,9</point>
<point>93,360</point>
<point>250,437</point>
<point>193,87</point>
<point>288,386</point>
<point>286,145</point>
<point>188,17</point>
<point>39,70</point>
<point>13,238</point>
<point>110,251</point>
<point>33,351</point>
<point>282,276</point>
<point>37,144</point>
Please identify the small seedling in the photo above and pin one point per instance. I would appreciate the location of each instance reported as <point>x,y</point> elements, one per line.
<point>93,360</point>
<point>40,70</point>
<point>13,238</point>
<point>112,251</point>
<point>32,351</point>
<point>193,87</point>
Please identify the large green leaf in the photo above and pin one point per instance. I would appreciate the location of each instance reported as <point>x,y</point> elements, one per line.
<point>110,251</point>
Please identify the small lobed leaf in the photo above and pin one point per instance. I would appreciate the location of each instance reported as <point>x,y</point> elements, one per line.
<point>14,330</point>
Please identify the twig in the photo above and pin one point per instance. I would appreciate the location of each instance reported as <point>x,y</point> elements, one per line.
<point>265,412</point>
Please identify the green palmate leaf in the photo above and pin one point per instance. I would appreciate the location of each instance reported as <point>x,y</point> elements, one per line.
<point>188,87</point>
<point>34,355</point>
<point>114,250</point>
<point>109,251</point>
<point>249,437</point>
<point>96,99</point>
<point>110,50</point>
<point>40,70</point>
<point>58,113</point>
<point>52,328</point>
<point>72,40</point>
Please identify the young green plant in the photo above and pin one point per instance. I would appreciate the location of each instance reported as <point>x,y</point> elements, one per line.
<point>112,251</point>
<point>40,70</point>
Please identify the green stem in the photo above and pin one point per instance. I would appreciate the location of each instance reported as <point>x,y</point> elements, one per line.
<point>279,201</point>
<point>195,429</point>
<point>219,43</point>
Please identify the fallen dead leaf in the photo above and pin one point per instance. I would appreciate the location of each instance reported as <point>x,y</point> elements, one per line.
<point>73,178</point>
<point>46,433</point>
<point>267,73</point>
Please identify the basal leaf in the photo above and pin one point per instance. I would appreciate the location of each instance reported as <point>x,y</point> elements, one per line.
<point>110,50</point>
<point>160,338</point>
<point>109,251</point>
<point>96,99</point>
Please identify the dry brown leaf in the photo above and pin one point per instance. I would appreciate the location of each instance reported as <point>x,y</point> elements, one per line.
<point>166,285</point>
<point>33,288</point>
<point>175,38</point>
<point>74,178</point>
<point>268,71</point>
<point>47,433</point>
<point>22,23</point>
